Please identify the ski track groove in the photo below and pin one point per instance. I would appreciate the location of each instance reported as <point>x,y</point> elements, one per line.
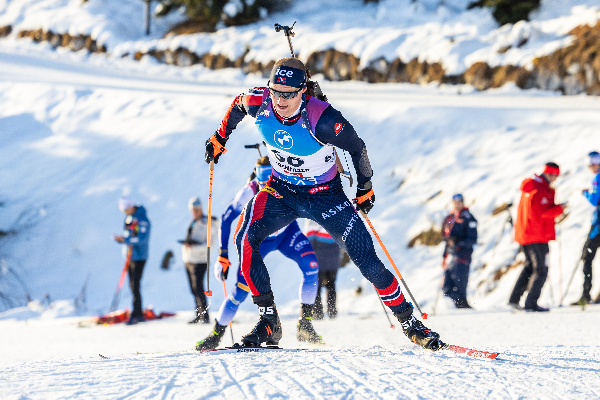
<point>234,381</point>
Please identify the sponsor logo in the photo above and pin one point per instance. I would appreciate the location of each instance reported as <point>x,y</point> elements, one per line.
<point>294,237</point>
<point>332,211</point>
<point>284,73</point>
<point>338,128</point>
<point>314,264</point>
<point>318,189</point>
<point>272,192</point>
<point>349,226</point>
<point>283,139</point>
<point>301,244</point>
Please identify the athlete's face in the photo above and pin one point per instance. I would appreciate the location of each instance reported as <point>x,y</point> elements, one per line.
<point>286,107</point>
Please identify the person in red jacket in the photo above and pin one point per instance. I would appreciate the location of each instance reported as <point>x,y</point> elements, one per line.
<point>533,230</point>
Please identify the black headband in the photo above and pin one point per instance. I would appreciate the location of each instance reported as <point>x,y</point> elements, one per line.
<point>289,76</point>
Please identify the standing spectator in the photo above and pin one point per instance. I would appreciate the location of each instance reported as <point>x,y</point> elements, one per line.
<point>135,238</point>
<point>533,230</point>
<point>194,255</point>
<point>593,240</point>
<point>329,258</point>
<point>460,233</point>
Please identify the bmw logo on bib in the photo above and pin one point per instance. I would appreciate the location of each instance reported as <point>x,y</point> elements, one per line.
<point>283,139</point>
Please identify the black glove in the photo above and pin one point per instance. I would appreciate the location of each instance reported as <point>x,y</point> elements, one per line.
<point>215,146</point>
<point>365,197</point>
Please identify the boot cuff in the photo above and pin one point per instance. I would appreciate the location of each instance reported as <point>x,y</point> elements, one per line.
<point>264,300</point>
<point>404,314</point>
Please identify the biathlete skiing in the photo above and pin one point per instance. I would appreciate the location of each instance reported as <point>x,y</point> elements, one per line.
<point>290,241</point>
<point>301,133</point>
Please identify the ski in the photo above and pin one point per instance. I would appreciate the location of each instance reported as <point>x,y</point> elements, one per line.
<point>237,348</point>
<point>470,352</point>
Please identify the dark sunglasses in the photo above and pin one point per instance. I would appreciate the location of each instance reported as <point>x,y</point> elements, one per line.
<point>285,95</point>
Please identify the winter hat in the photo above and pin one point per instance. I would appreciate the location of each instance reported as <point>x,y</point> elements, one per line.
<point>594,158</point>
<point>125,202</point>
<point>458,197</point>
<point>194,203</point>
<point>552,169</point>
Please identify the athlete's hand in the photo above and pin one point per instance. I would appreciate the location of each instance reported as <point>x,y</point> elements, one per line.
<point>215,146</point>
<point>365,197</point>
<point>222,267</point>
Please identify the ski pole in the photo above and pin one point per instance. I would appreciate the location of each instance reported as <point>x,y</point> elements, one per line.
<point>423,315</point>
<point>230,322</point>
<point>115,301</point>
<point>560,268</point>
<point>392,326</point>
<point>208,292</point>
<point>439,293</point>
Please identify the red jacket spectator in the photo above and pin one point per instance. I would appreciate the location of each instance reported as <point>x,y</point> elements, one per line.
<point>537,211</point>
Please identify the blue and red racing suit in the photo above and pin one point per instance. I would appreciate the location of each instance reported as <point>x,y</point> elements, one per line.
<point>290,241</point>
<point>305,184</point>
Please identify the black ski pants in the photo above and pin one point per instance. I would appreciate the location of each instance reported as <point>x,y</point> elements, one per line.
<point>533,276</point>
<point>195,273</point>
<point>135,271</point>
<point>588,253</point>
<point>456,279</point>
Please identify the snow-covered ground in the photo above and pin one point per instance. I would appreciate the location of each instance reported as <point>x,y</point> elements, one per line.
<point>76,131</point>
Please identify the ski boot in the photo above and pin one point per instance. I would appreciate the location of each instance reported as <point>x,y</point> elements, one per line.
<point>417,332</point>
<point>212,340</point>
<point>268,329</point>
<point>306,331</point>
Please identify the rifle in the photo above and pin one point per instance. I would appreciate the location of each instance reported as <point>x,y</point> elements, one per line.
<point>314,90</point>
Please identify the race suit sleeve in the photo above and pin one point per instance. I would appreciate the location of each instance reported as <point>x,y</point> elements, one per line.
<point>233,211</point>
<point>334,129</point>
<point>244,104</point>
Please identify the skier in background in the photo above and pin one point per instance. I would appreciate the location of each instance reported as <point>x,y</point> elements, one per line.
<point>194,255</point>
<point>460,233</point>
<point>329,256</point>
<point>533,230</point>
<point>290,241</point>
<point>300,132</point>
<point>593,240</point>
<point>136,234</point>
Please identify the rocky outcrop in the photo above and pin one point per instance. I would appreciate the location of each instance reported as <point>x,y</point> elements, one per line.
<point>74,43</point>
<point>571,70</point>
<point>5,31</point>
